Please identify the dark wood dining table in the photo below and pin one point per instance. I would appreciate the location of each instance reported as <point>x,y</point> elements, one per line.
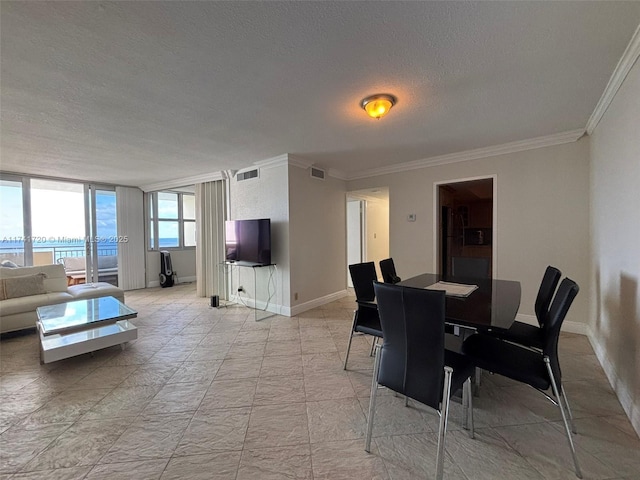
<point>493,305</point>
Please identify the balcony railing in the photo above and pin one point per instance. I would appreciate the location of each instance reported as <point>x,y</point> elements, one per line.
<point>48,255</point>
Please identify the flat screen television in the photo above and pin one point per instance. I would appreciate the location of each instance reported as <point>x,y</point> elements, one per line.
<point>248,241</point>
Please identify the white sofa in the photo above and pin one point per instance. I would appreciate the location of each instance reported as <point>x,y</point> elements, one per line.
<point>20,312</point>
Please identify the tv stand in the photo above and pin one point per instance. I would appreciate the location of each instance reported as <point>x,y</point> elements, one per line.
<point>249,264</point>
<point>229,269</point>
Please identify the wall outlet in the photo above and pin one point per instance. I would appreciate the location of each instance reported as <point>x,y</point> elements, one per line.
<point>295,296</point>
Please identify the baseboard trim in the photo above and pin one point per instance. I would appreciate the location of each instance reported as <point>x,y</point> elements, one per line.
<point>625,396</point>
<point>567,326</point>
<point>317,302</point>
<point>258,305</point>
<point>156,283</point>
<point>289,311</point>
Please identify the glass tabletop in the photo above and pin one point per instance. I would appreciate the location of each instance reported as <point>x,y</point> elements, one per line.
<point>493,305</point>
<point>82,314</point>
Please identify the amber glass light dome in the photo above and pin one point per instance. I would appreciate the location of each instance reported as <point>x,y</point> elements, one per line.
<point>377,106</point>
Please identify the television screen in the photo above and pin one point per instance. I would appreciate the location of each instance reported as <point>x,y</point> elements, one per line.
<point>248,241</point>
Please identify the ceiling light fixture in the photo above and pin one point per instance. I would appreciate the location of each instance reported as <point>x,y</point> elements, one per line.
<point>377,106</point>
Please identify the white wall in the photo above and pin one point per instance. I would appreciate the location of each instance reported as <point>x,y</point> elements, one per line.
<point>183,262</point>
<point>318,222</point>
<point>542,214</point>
<point>615,230</point>
<point>265,197</point>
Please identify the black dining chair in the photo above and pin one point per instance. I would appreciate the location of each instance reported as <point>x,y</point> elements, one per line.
<point>470,267</point>
<point>539,369</point>
<point>365,317</point>
<point>388,270</point>
<point>412,359</point>
<point>532,335</point>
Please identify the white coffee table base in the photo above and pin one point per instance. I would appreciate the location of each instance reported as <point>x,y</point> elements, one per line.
<point>59,347</point>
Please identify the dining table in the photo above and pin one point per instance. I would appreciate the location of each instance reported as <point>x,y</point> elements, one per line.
<point>492,306</point>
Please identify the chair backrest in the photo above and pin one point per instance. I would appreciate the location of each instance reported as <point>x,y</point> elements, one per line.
<point>363,275</point>
<point>74,264</point>
<point>470,267</point>
<point>545,292</point>
<point>388,270</point>
<point>412,357</point>
<point>563,299</point>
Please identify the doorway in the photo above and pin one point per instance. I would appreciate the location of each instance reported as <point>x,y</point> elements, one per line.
<point>465,221</point>
<point>367,227</point>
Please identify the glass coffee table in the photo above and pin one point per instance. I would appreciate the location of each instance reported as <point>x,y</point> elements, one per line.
<point>83,326</point>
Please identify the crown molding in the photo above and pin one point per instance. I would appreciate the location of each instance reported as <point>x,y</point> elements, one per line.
<point>339,174</point>
<point>183,182</point>
<point>475,154</point>
<point>299,162</point>
<point>478,153</point>
<point>270,162</point>
<point>628,59</point>
<point>284,159</point>
<point>303,163</point>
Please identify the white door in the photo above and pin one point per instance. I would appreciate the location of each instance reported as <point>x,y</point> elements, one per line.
<point>355,229</point>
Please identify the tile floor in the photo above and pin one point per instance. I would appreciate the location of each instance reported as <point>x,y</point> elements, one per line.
<point>211,394</point>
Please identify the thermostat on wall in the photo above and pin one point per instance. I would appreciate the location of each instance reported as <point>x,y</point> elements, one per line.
<point>411,217</point>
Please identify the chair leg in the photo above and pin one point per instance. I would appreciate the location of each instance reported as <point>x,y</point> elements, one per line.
<point>477,380</point>
<point>444,417</point>
<point>353,327</point>
<point>554,386</point>
<point>372,399</point>
<point>566,402</point>
<point>467,402</point>
<point>373,346</point>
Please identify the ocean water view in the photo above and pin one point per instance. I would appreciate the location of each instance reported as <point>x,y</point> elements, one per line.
<point>71,244</point>
<point>51,250</point>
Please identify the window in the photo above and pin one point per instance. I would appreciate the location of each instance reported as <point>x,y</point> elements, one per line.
<point>172,220</point>
<point>12,234</point>
<point>45,220</point>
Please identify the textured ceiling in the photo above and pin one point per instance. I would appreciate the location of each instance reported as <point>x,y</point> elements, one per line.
<point>140,92</point>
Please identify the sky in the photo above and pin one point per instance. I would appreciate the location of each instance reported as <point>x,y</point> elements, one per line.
<point>55,212</point>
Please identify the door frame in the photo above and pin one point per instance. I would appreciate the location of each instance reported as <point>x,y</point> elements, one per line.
<point>92,274</point>
<point>494,220</point>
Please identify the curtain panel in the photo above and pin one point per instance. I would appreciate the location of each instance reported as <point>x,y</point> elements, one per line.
<point>130,225</point>
<point>210,217</point>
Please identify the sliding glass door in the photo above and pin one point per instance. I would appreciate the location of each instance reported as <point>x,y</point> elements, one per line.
<point>57,223</point>
<point>102,232</point>
<point>50,221</point>
<point>12,224</point>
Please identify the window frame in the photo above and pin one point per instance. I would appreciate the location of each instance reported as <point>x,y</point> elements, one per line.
<point>153,221</point>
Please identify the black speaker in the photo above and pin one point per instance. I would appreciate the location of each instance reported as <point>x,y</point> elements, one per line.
<point>166,269</point>
<point>215,301</point>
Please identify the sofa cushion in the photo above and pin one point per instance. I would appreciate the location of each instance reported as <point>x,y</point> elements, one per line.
<point>12,306</point>
<point>24,286</point>
<point>95,290</point>
<point>56,280</point>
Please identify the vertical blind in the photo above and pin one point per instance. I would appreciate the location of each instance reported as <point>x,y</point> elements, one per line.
<point>131,254</point>
<point>210,217</point>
